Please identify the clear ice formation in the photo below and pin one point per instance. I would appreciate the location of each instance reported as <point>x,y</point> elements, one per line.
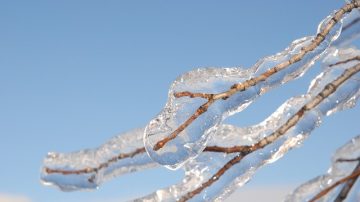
<point>350,30</point>
<point>192,140</point>
<point>337,171</point>
<point>202,168</point>
<point>87,169</point>
<point>199,170</point>
<point>76,161</point>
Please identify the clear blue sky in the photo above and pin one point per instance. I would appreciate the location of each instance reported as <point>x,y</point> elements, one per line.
<point>75,73</point>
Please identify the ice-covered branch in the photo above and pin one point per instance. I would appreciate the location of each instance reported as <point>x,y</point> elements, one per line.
<point>125,153</point>
<point>350,180</point>
<point>350,30</point>
<point>101,166</point>
<point>349,183</point>
<point>232,90</point>
<point>329,89</point>
<point>87,169</point>
<point>218,158</point>
<point>337,183</point>
<point>211,176</point>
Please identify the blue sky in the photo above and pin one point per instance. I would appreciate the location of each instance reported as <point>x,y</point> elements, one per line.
<point>75,73</point>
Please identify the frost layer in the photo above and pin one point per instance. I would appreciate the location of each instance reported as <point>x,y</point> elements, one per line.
<point>192,140</point>
<point>338,170</point>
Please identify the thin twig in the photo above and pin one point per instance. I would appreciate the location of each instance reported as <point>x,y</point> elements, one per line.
<point>348,160</point>
<point>349,184</point>
<point>346,61</point>
<point>228,150</point>
<point>211,98</point>
<point>352,23</point>
<point>202,109</point>
<point>328,89</point>
<point>120,157</point>
<point>96,169</point>
<point>193,95</point>
<point>244,151</point>
<point>353,175</point>
<point>214,178</point>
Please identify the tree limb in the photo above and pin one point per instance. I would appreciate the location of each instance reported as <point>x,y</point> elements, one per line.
<point>326,92</point>
<point>211,98</point>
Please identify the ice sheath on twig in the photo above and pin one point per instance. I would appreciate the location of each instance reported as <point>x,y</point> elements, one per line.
<point>89,168</point>
<point>201,169</point>
<point>202,182</point>
<point>339,170</point>
<point>201,99</point>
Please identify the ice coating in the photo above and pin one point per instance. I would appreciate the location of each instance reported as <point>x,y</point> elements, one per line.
<point>338,170</point>
<point>87,169</point>
<point>201,169</point>
<point>117,156</point>
<point>352,85</point>
<point>190,141</point>
<point>351,29</point>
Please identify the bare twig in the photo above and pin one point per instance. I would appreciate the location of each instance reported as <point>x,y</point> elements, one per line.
<point>245,150</point>
<point>211,98</point>
<point>350,180</point>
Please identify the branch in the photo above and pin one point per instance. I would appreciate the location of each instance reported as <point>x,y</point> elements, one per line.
<point>350,180</point>
<point>244,149</point>
<point>348,160</point>
<point>346,61</point>
<point>352,23</point>
<point>96,169</point>
<point>329,89</point>
<point>121,156</point>
<point>211,98</point>
<point>349,184</point>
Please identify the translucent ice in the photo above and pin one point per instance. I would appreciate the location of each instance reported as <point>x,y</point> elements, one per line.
<point>125,153</point>
<point>338,170</point>
<point>204,167</point>
<point>191,140</point>
<point>351,29</point>
<point>87,169</point>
